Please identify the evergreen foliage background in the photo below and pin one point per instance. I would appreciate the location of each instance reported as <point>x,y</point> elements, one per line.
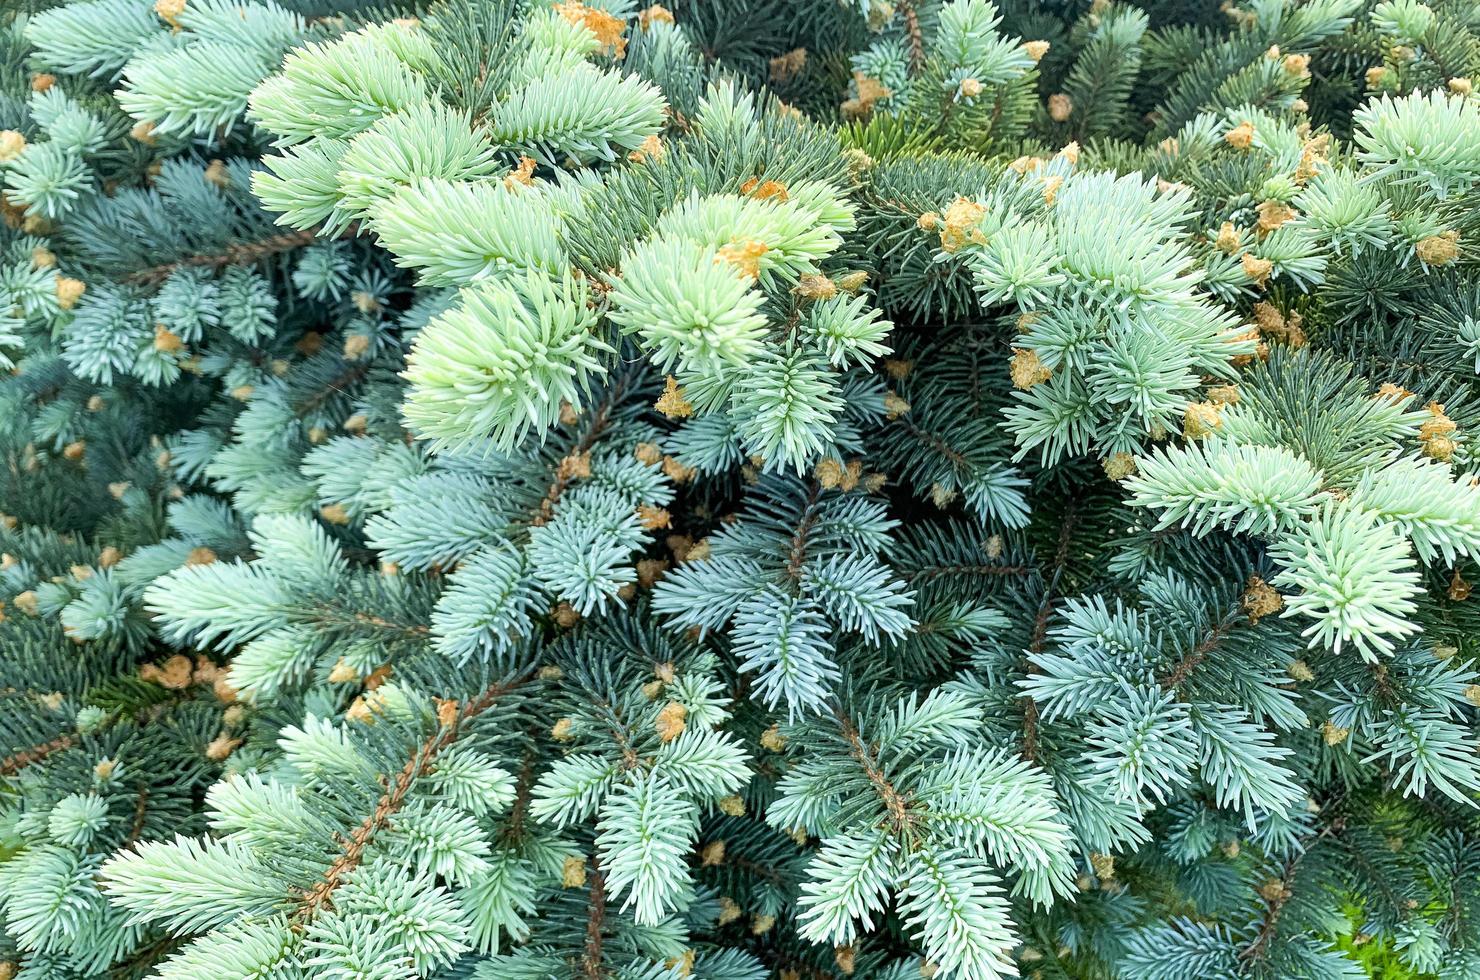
<point>739,489</point>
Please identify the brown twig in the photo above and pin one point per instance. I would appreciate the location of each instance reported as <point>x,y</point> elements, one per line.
<point>765,871</point>
<point>242,253</point>
<point>957,458</point>
<point>379,622</point>
<point>12,764</point>
<point>1196,656</point>
<point>595,920</point>
<point>600,419</point>
<point>1274,904</point>
<point>798,553</point>
<point>523,794</point>
<point>1040,631</point>
<point>139,963</point>
<point>141,810</point>
<point>394,798</point>
<point>916,34</point>
<point>897,804</point>
<point>927,572</point>
<point>1030,706</point>
<point>349,376</point>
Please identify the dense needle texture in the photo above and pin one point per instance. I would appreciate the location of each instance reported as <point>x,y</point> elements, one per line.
<point>739,490</point>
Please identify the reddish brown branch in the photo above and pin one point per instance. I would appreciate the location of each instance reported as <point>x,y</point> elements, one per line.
<point>141,811</point>
<point>600,419</point>
<point>242,253</point>
<point>13,764</point>
<point>1040,633</point>
<point>379,622</point>
<point>1275,899</point>
<point>351,375</point>
<point>928,572</point>
<point>798,552</point>
<point>1195,657</point>
<point>957,458</point>
<point>916,34</point>
<point>523,795</point>
<point>897,804</point>
<point>595,920</point>
<point>1030,707</point>
<point>394,798</point>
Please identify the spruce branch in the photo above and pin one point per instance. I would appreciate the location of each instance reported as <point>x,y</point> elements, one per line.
<point>591,959</point>
<point>594,425</point>
<point>1040,625</point>
<point>239,253</point>
<point>1281,889</point>
<point>913,31</point>
<point>13,764</point>
<point>1194,657</point>
<point>797,553</point>
<point>421,764</point>
<point>1048,504</point>
<point>896,804</point>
